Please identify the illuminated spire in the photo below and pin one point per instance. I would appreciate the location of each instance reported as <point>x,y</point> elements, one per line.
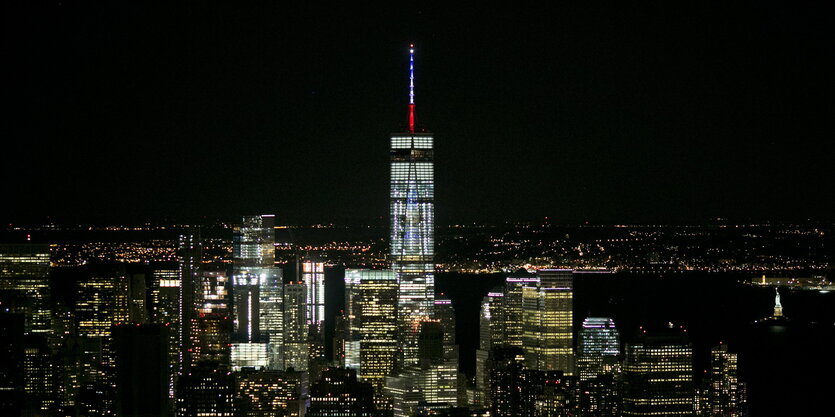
<point>411,88</point>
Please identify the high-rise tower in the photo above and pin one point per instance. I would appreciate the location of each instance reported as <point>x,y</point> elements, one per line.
<point>413,225</point>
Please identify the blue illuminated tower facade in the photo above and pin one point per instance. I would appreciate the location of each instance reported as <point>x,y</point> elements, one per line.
<point>413,226</point>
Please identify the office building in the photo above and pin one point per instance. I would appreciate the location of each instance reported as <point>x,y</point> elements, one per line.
<point>492,323</point>
<point>509,396</point>
<point>253,355</point>
<point>338,393</point>
<point>142,369</point>
<point>137,299</point>
<point>257,292</point>
<point>598,367</point>
<point>413,226</point>
<point>514,314</point>
<point>12,332</point>
<point>726,394</point>
<point>313,276</point>
<point>165,310</point>
<point>272,315</point>
<point>547,336</point>
<point>295,327</point>
<point>190,258</point>
<point>206,391</point>
<point>270,393</point>
<point>445,314</point>
<point>24,284</point>
<point>433,382</point>
<point>371,346</point>
<point>658,374</point>
<point>212,341</point>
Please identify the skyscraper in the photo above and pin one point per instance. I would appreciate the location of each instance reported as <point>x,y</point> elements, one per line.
<point>726,393</point>
<point>137,299</point>
<point>295,327</point>
<point>142,367</point>
<point>547,337</point>
<point>658,374</point>
<point>24,284</point>
<point>206,391</point>
<point>598,367</point>
<point>445,313</point>
<point>257,291</point>
<point>313,276</point>
<point>101,302</point>
<point>253,256</point>
<point>11,367</point>
<point>270,393</point>
<point>165,296</point>
<point>492,320</point>
<point>272,316</point>
<point>514,314</point>
<point>413,225</point>
<point>190,254</point>
<point>371,348</point>
<point>339,394</point>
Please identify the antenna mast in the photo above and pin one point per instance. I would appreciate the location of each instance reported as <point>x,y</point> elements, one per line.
<point>411,88</point>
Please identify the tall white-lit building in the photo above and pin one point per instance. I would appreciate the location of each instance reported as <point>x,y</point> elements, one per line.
<point>413,226</point>
<point>313,276</point>
<point>295,327</point>
<point>253,257</point>
<point>599,367</point>
<point>272,316</point>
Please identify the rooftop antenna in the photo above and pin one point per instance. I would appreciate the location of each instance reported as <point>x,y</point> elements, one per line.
<point>411,88</point>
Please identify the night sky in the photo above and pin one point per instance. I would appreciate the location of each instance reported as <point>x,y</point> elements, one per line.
<point>675,113</point>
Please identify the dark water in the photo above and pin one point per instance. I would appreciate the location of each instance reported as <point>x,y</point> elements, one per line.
<point>789,368</point>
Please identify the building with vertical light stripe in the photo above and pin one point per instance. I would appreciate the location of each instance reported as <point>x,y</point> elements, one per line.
<point>413,226</point>
<point>313,276</point>
<point>253,257</point>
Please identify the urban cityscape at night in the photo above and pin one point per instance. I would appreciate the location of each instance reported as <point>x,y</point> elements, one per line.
<point>287,211</point>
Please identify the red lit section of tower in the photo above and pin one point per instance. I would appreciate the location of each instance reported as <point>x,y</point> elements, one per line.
<point>411,88</point>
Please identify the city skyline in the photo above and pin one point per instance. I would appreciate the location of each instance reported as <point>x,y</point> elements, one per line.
<point>650,121</point>
<point>677,114</point>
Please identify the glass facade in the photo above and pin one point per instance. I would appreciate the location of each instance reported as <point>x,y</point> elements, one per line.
<point>313,276</point>
<point>598,366</point>
<point>413,233</point>
<point>249,355</point>
<point>253,256</point>
<point>165,310</point>
<point>295,327</point>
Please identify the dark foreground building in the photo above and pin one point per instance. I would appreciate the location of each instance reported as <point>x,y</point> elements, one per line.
<point>658,374</point>
<point>339,394</point>
<point>142,370</point>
